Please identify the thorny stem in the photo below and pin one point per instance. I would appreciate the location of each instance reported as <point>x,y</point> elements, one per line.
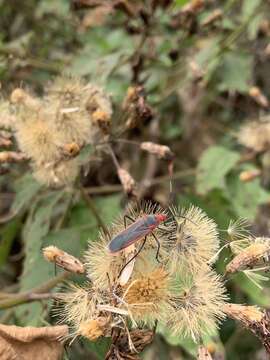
<point>88,200</point>
<point>34,294</point>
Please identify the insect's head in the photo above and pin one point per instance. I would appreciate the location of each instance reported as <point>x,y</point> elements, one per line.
<point>161,217</point>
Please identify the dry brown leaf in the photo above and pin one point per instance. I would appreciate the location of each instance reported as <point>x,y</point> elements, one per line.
<point>30,343</point>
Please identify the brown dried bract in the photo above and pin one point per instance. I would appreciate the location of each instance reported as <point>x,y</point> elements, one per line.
<point>63,259</point>
<point>136,107</point>
<point>30,343</point>
<point>255,320</point>
<point>248,257</point>
<point>162,151</point>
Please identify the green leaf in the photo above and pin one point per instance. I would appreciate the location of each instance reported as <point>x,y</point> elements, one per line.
<point>8,234</point>
<point>26,188</point>
<point>35,270</point>
<point>246,197</point>
<point>214,164</point>
<point>248,8</point>
<point>235,72</point>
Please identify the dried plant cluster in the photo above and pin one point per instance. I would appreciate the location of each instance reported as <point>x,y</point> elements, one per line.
<point>180,291</point>
<point>50,131</point>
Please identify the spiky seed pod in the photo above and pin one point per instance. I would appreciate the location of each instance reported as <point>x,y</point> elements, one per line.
<point>7,119</point>
<point>194,238</point>
<point>63,173</point>
<point>197,299</point>
<point>255,135</point>
<point>21,97</point>
<point>36,139</point>
<point>94,328</point>
<point>162,151</point>
<point>127,181</point>
<point>251,255</point>
<point>147,296</point>
<point>63,259</point>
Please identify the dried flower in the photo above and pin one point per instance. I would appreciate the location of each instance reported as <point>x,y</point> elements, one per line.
<point>255,135</point>
<point>94,328</point>
<point>251,255</point>
<point>162,151</point>
<point>147,296</point>
<point>194,237</point>
<point>63,259</point>
<point>198,299</point>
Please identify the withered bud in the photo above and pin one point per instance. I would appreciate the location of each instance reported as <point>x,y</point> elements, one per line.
<point>19,96</point>
<point>258,96</point>
<point>249,175</point>
<point>203,353</point>
<point>248,257</point>
<point>71,149</point>
<point>63,259</point>
<point>251,317</point>
<point>93,329</point>
<point>211,18</point>
<point>127,181</point>
<point>193,6</point>
<point>102,119</point>
<point>162,151</point>
<point>11,156</point>
<point>136,108</point>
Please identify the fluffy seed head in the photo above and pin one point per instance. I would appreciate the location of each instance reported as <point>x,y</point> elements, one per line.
<point>194,238</point>
<point>7,119</point>
<point>197,300</point>
<point>94,328</point>
<point>255,135</point>
<point>147,297</point>
<point>63,173</point>
<point>243,313</point>
<point>21,97</point>
<point>36,139</point>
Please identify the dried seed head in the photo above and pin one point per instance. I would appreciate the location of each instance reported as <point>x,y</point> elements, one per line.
<point>251,255</point>
<point>243,313</point>
<point>127,181</point>
<point>71,150</point>
<point>63,173</point>
<point>36,139</point>
<point>21,97</point>
<point>147,296</point>
<point>249,175</point>
<point>98,105</point>
<point>162,151</point>
<point>63,259</point>
<point>94,328</point>
<point>102,119</point>
<point>255,135</point>
<point>194,238</point>
<point>197,299</point>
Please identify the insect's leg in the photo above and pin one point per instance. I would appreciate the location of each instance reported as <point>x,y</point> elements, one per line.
<point>158,246</point>
<point>129,218</point>
<point>133,257</point>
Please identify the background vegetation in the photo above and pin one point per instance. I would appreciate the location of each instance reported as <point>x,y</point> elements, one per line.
<point>204,66</point>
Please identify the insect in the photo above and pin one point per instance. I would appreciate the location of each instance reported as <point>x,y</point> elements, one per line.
<point>140,229</point>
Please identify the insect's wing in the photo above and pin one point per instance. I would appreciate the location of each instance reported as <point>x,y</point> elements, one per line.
<point>130,235</point>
